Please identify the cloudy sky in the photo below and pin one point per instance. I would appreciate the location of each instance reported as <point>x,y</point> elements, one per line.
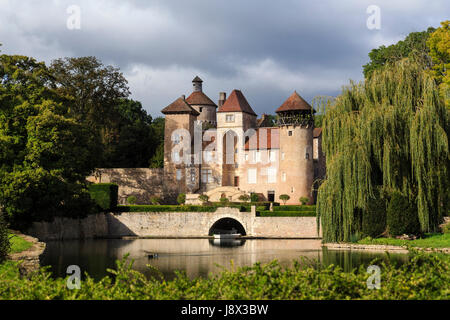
<point>267,49</point>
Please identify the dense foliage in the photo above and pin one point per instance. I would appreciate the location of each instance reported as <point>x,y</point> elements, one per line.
<point>423,277</point>
<point>373,219</point>
<point>402,216</point>
<point>439,44</point>
<point>388,133</point>
<point>57,124</point>
<point>414,46</point>
<point>44,154</point>
<point>105,195</point>
<point>4,238</point>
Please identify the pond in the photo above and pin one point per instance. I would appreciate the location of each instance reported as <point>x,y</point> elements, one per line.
<point>196,257</point>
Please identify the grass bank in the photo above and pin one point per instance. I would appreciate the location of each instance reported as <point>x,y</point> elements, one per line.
<point>18,244</point>
<point>429,241</point>
<point>424,276</point>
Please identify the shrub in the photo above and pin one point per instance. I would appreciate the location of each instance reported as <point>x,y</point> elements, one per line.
<point>254,197</point>
<point>131,200</point>
<point>155,200</point>
<point>224,201</point>
<point>374,218</point>
<point>203,198</point>
<point>181,199</point>
<point>105,195</point>
<point>295,208</point>
<point>402,216</point>
<point>285,198</point>
<point>244,198</point>
<point>4,238</point>
<point>303,200</point>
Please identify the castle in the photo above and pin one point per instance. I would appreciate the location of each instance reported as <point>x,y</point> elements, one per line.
<point>224,150</point>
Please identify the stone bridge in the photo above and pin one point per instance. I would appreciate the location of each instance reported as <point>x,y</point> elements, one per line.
<point>176,225</point>
<point>203,224</point>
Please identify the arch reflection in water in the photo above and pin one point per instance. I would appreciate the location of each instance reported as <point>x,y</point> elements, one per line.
<point>227,242</point>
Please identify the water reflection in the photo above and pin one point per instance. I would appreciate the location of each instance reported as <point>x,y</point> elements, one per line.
<point>196,257</point>
<point>227,242</point>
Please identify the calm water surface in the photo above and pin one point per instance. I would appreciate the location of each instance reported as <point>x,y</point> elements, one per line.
<point>197,257</point>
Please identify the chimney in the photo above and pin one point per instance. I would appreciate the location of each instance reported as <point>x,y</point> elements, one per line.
<point>197,83</point>
<point>222,98</point>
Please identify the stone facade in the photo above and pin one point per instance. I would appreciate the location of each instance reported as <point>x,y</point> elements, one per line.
<point>143,183</point>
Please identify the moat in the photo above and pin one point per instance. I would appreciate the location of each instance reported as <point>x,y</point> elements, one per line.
<point>197,257</point>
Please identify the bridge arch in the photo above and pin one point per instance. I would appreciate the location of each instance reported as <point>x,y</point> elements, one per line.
<point>227,225</point>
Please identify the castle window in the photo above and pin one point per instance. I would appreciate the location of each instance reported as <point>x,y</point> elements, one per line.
<point>282,156</point>
<point>230,118</point>
<point>284,176</point>
<point>246,157</point>
<point>208,156</point>
<point>207,176</point>
<point>290,133</point>
<point>271,175</point>
<point>251,176</point>
<point>179,175</point>
<point>193,175</point>
<point>307,156</point>
<point>201,109</point>
<point>257,156</point>
<point>272,155</point>
<point>292,190</point>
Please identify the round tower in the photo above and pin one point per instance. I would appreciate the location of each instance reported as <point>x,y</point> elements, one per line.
<point>296,123</point>
<point>202,103</point>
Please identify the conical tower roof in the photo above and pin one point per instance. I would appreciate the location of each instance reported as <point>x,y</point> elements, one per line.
<point>295,103</point>
<point>236,102</point>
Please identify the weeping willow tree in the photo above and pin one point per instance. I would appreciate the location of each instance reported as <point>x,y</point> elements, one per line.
<point>389,133</point>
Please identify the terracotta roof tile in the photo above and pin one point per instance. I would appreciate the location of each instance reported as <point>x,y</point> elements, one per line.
<point>272,138</point>
<point>179,106</point>
<point>294,102</point>
<point>236,102</point>
<point>199,98</point>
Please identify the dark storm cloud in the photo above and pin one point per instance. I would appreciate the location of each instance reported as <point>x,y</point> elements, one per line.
<point>265,48</point>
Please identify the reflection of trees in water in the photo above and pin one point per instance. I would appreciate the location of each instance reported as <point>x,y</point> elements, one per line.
<point>349,260</point>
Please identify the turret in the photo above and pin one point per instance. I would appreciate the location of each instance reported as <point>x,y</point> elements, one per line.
<point>201,103</point>
<point>296,123</point>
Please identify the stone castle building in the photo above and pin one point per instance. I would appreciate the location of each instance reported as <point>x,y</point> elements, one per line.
<point>224,150</point>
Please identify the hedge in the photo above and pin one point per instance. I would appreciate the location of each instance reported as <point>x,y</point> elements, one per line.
<point>287,213</point>
<point>295,208</point>
<point>422,277</point>
<point>105,195</point>
<point>165,208</point>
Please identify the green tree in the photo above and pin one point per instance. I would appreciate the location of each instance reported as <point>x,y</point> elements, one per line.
<point>387,133</point>
<point>439,44</point>
<point>285,198</point>
<point>44,154</point>
<point>414,46</point>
